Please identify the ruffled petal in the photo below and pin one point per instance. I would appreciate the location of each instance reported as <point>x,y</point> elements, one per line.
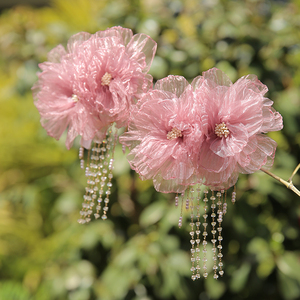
<point>175,185</point>
<point>173,84</point>
<point>264,154</point>
<point>125,33</point>
<point>266,144</point>
<point>55,127</point>
<point>178,165</point>
<point>212,162</point>
<point>243,158</point>
<point>256,85</point>
<point>222,179</point>
<point>147,158</point>
<point>218,77</point>
<point>272,120</point>
<point>231,145</point>
<point>168,186</point>
<point>209,101</point>
<point>197,82</point>
<point>76,40</point>
<point>56,54</point>
<point>132,137</point>
<point>142,49</point>
<point>244,106</point>
<point>156,109</point>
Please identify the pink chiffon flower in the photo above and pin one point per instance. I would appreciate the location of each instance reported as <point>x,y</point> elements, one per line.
<point>163,135</point>
<point>94,83</point>
<point>234,118</point>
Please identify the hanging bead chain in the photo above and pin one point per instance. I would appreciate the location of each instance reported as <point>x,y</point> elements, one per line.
<point>192,234</point>
<point>220,238</point>
<point>224,203</point>
<point>112,139</point>
<point>81,157</point>
<point>102,183</point>
<point>233,197</point>
<point>218,210</point>
<point>97,170</point>
<point>176,200</point>
<point>89,197</point>
<point>187,202</point>
<point>181,211</point>
<point>198,235</point>
<point>204,242</point>
<point>93,176</point>
<point>213,231</point>
<point>123,148</point>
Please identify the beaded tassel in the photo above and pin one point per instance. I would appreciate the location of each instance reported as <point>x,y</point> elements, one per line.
<point>90,189</point>
<point>112,139</point>
<point>99,167</point>
<point>213,231</point>
<point>204,242</point>
<point>218,208</point>
<point>100,179</point>
<point>220,238</point>
<point>198,235</point>
<point>192,234</point>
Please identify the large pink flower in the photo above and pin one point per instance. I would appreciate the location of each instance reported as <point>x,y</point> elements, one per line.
<point>233,120</point>
<point>163,134</point>
<point>94,83</point>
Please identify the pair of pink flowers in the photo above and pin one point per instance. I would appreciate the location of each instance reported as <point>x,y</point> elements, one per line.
<point>179,134</point>
<point>206,132</point>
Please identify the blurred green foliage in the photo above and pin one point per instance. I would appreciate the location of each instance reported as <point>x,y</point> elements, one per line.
<point>139,253</point>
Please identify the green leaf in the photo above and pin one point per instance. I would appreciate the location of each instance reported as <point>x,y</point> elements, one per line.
<point>289,288</point>
<point>239,277</point>
<point>289,265</point>
<point>10,290</point>
<point>153,213</point>
<point>215,288</point>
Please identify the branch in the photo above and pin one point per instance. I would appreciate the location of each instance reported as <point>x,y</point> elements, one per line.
<point>288,183</point>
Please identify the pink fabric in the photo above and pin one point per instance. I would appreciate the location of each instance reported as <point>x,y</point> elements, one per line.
<point>200,155</point>
<point>70,95</point>
<point>153,155</point>
<point>247,114</point>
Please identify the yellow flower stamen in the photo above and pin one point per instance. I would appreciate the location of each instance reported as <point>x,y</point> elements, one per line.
<point>221,130</point>
<point>174,134</point>
<point>106,78</point>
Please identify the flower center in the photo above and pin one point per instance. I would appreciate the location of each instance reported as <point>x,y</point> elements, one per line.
<point>106,78</point>
<point>174,134</point>
<point>221,130</point>
<point>75,98</point>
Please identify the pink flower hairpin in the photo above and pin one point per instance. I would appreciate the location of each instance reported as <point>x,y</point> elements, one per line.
<point>180,135</point>
<point>206,133</point>
<point>89,90</point>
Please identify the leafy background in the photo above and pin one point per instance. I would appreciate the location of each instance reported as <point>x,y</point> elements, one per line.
<point>139,253</point>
